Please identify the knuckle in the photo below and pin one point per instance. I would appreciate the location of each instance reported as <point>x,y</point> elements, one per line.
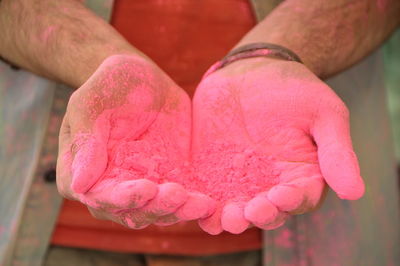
<point>64,192</point>
<point>96,214</point>
<point>73,99</point>
<point>338,107</point>
<point>63,189</point>
<point>343,109</point>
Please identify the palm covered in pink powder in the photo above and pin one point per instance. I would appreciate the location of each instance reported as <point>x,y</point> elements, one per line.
<point>267,134</point>
<point>127,126</point>
<point>249,153</point>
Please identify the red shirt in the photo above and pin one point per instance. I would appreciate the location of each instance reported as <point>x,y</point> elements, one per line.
<point>184,37</point>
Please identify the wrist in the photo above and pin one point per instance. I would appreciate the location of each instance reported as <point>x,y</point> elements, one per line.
<point>75,74</point>
<point>294,35</point>
<point>308,59</point>
<point>255,50</point>
<point>125,63</point>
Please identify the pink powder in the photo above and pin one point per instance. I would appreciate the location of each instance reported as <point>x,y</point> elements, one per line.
<point>223,172</point>
<point>285,239</point>
<point>228,172</point>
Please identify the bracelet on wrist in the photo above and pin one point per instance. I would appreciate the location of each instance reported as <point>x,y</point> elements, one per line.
<point>254,50</point>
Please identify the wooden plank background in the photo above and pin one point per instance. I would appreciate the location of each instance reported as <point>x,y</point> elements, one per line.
<point>25,103</point>
<point>31,111</point>
<point>43,202</point>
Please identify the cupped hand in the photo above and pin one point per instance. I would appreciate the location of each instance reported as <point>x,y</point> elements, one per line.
<point>123,142</point>
<point>267,135</point>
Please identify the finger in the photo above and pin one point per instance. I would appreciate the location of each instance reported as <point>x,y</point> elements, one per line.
<point>152,214</point>
<point>286,197</point>
<point>64,161</point>
<point>280,220</point>
<point>232,219</point>
<point>260,211</point>
<point>169,198</point>
<point>89,131</point>
<point>338,162</point>
<point>100,113</point>
<point>90,153</point>
<point>101,215</point>
<point>160,209</point>
<point>167,220</point>
<point>133,219</point>
<point>136,220</point>
<point>63,172</point>
<point>212,224</point>
<point>114,196</point>
<point>312,189</point>
<point>98,214</point>
<point>133,193</point>
<point>197,206</point>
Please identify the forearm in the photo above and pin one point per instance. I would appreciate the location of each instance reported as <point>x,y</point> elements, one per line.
<point>329,36</point>
<point>61,40</point>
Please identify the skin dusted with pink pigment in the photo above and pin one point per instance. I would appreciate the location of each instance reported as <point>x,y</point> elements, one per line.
<point>142,146</point>
<point>298,130</point>
<point>121,108</point>
<point>242,156</point>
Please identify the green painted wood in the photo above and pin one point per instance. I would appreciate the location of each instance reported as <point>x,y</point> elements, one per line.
<point>102,8</point>
<point>391,52</point>
<point>43,202</point>
<point>364,232</point>
<point>60,256</point>
<point>37,204</point>
<point>24,103</point>
<point>262,7</point>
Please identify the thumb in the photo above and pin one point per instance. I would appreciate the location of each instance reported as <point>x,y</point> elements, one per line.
<point>337,160</point>
<point>74,152</point>
<point>89,151</point>
<point>120,100</point>
<point>64,161</point>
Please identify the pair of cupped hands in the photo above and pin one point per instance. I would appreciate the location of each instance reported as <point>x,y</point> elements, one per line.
<point>258,142</point>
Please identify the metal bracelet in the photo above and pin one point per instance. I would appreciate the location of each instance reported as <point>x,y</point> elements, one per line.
<point>255,50</point>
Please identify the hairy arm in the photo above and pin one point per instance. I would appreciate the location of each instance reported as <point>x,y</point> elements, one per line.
<point>61,40</point>
<point>329,36</point>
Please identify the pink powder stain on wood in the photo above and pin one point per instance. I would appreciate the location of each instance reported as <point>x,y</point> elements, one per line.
<point>382,5</point>
<point>284,239</point>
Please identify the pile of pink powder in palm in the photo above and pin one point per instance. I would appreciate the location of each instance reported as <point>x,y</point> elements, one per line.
<point>225,172</point>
